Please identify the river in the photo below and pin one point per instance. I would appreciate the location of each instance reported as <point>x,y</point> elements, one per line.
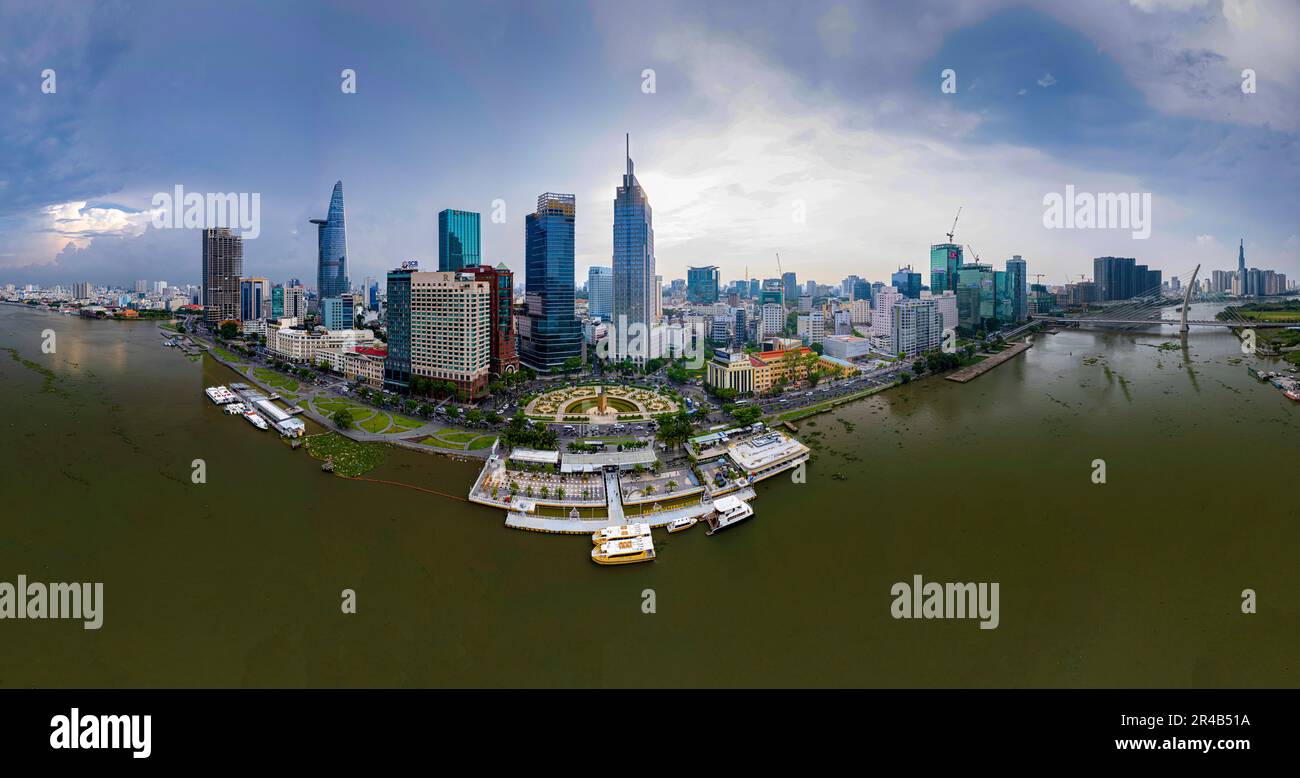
<point>237,581</point>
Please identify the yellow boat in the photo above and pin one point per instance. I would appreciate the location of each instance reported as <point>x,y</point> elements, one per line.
<point>622,552</point>
<point>619,532</point>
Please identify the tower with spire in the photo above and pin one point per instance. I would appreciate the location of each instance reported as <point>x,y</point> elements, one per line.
<point>635,288</point>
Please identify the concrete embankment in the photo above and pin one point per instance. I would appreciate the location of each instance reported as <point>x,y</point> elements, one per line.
<point>980,368</point>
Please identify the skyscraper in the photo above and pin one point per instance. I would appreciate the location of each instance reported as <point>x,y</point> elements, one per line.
<point>945,262</point>
<point>702,285</point>
<point>791,285</point>
<point>600,291</point>
<point>397,365</point>
<point>907,282</point>
<point>254,299</point>
<point>635,291</point>
<point>1017,269</point>
<point>223,264</point>
<point>1241,264</point>
<point>458,240</point>
<point>451,330</point>
<point>549,332</point>
<point>332,243</point>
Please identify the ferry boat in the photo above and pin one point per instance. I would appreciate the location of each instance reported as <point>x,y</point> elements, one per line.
<point>219,395</point>
<point>678,525</point>
<point>727,511</point>
<point>236,408</point>
<point>623,552</point>
<point>255,420</point>
<point>621,532</point>
<point>1294,394</point>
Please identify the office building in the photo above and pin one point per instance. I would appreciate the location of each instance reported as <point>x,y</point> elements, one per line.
<point>637,291</point>
<point>600,292</point>
<point>501,280</point>
<point>254,299</point>
<point>907,282</point>
<point>458,240</point>
<point>915,327</point>
<point>549,331</point>
<point>945,262</point>
<point>223,265</point>
<point>397,365</point>
<point>702,285</point>
<point>332,249</point>
<point>451,330</point>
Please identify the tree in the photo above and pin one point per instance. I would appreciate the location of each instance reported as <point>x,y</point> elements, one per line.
<point>342,418</point>
<point>492,417</point>
<point>746,414</point>
<point>675,429</point>
<point>572,364</point>
<point>474,416</point>
<point>671,485</point>
<point>817,348</point>
<point>228,330</point>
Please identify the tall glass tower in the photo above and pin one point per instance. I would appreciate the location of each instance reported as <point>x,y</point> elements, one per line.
<point>635,291</point>
<point>458,240</point>
<point>549,332</point>
<point>332,240</point>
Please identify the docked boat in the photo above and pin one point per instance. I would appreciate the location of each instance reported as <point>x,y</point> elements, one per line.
<point>220,395</point>
<point>255,419</point>
<point>1294,394</point>
<point>623,552</point>
<point>727,511</point>
<point>620,532</point>
<point>236,408</point>
<point>678,525</point>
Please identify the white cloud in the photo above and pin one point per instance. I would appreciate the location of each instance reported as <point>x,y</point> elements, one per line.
<point>1047,80</point>
<point>79,224</point>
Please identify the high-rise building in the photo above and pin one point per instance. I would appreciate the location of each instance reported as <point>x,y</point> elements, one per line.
<point>501,280</point>
<point>336,312</point>
<point>600,292</point>
<point>1121,278</point>
<point>81,290</point>
<point>549,332</point>
<point>811,327</point>
<point>976,295</point>
<point>1241,260</point>
<point>451,330</point>
<point>636,292</point>
<point>754,286</point>
<point>907,282</point>
<point>1017,270</point>
<point>771,320</point>
<point>372,294</point>
<point>458,240</point>
<point>702,285</point>
<point>254,299</point>
<point>945,261</point>
<point>397,365</point>
<point>772,292</point>
<point>223,264</point>
<point>277,302</point>
<point>332,248</point>
<point>295,302</point>
<point>882,311</point>
<point>659,297</point>
<point>790,285</point>
<point>915,327</point>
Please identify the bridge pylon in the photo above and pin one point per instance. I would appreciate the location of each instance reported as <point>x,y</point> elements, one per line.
<point>1187,299</point>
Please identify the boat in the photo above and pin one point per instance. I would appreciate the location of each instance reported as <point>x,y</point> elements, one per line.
<point>236,408</point>
<point>255,420</point>
<point>219,395</point>
<point>727,511</point>
<point>623,552</point>
<point>620,532</point>
<point>678,525</point>
<point>1294,394</point>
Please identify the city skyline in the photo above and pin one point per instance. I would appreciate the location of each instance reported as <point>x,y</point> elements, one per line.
<point>731,169</point>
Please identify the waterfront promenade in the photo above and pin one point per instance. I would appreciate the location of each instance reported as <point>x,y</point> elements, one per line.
<point>527,521</point>
<point>978,369</point>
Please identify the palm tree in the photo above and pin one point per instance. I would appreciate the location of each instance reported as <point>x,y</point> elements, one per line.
<point>672,485</point>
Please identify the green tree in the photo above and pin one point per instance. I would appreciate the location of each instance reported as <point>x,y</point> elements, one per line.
<point>572,364</point>
<point>342,418</point>
<point>228,330</point>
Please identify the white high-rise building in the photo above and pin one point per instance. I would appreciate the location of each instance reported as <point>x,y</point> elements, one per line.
<point>811,327</point>
<point>915,327</point>
<point>600,292</point>
<point>771,320</point>
<point>881,313</point>
<point>947,305</point>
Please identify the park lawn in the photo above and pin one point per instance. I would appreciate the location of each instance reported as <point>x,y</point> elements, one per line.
<point>433,442</point>
<point>227,356</point>
<point>404,423</point>
<point>351,458</point>
<point>274,379</point>
<point>377,423</point>
<point>481,442</point>
<point>293,398</point>
<point>456,437</point>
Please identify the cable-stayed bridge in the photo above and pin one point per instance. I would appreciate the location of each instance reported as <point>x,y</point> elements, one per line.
<point>1149,308</point>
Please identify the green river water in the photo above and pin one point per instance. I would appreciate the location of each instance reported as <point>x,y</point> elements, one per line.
<point>236,582</point>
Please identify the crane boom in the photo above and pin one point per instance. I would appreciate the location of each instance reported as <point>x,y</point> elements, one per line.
<point>953,231</point>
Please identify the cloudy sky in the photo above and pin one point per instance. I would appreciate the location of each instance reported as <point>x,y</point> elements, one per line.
<point>815,129</point>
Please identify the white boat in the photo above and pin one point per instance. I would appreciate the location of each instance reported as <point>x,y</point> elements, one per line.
<point>219,395</point>
<point>678,525</point>
<point>626,551</point>
<point>620,532</point>
<point>255,420</point>
<point>727,511</point>
<point>236,408</point>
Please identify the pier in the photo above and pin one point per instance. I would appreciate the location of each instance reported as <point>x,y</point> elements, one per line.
<point>535,523</point>
<point>980,368</point>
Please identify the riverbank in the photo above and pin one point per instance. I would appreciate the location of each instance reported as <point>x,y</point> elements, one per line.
<point>971,372</point>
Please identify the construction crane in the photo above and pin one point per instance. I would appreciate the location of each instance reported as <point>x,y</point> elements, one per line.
<point>953,231</point>
<point>973,252</point>
<point>778,265</point>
